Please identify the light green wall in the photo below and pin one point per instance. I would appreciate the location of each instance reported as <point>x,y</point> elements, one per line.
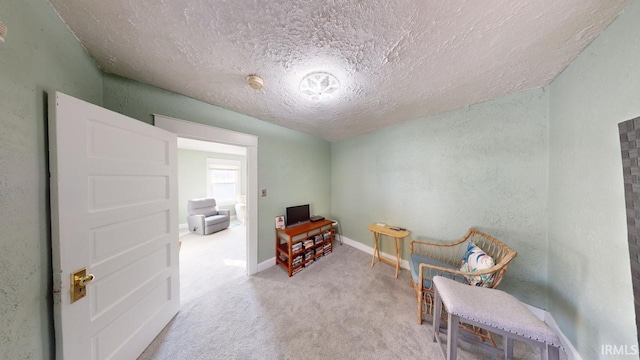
<point>294,168</point>
<point>478,166</point>
<point>590,288</point>
<point>39,56</point>
<point>192,178</point>
<point>488,165</point>
<point>483,166</point>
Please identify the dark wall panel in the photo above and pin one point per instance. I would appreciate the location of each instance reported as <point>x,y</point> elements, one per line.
<point>630,146</point>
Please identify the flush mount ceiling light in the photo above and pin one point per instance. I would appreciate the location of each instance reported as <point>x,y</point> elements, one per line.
<point>319,85</point>
<point>255,82</point>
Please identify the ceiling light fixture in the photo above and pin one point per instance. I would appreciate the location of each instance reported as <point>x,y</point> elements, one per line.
<point>255,81</point>
<point>319,85</point>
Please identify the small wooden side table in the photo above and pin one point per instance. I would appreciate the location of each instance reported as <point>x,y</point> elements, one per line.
<point>397,236</point>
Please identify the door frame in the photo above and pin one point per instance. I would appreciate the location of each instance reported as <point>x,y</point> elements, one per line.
<point>191,130</point>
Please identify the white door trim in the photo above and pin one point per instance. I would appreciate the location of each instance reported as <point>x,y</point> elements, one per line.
<point>197,131</point>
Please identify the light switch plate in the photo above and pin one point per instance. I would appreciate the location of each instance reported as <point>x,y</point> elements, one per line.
<point>264,192</point>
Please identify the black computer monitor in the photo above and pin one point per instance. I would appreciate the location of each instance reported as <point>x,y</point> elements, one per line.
<point>297,215</point>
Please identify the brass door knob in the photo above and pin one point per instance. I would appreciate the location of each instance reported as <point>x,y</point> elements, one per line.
<point>79,281</point>
<point>84,280</point>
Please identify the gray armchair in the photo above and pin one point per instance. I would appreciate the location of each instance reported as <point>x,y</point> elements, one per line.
<point>204,218</point>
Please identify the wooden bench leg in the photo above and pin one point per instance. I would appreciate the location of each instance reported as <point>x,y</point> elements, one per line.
<point>452,337</point>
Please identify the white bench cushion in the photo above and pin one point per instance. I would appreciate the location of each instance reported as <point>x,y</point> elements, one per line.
<point>494,308</point>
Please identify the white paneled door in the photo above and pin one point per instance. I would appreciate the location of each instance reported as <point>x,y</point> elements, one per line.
<point>114,213</point>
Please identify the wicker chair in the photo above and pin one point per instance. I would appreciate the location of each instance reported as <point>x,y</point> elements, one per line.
<point>429,259</point>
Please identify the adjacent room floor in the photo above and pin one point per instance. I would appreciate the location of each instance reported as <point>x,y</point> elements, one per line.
<point>338,308</point>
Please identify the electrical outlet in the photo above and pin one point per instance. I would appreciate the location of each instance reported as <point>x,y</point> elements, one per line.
<point>264,192</point>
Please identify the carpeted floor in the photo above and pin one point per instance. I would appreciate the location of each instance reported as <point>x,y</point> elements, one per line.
<point>338,308</point>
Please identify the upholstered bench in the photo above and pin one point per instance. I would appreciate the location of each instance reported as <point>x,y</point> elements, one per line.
<point>492,310</point>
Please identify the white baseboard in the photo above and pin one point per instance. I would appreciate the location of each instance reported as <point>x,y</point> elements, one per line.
<point>539,313</point>
<point>369,250</point>
<point>267,264</point>
<point>358,245</point>
<point>572,353</point>
<point>183,226</point>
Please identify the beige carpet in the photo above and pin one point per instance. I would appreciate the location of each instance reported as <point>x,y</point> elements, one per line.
<point>338,308</point>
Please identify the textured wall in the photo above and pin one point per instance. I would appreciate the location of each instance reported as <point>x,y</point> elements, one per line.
<point>483,166</point>
<point>293,167</point>
<point>192,178</point>
<point>590,290</point>
<point>39,56</point>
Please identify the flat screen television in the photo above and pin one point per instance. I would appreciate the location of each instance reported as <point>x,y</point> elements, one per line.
<point>297,215</point>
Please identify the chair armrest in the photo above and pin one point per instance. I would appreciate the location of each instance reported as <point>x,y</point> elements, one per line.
<point>429,243</point>
<point>224,212</point>
<point>490,270</point>
<point>451,253</point>
<point>428,271</point>
<point>196,224</point>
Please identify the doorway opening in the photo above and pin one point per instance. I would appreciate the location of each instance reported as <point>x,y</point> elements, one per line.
<point>209,134</point>
<point>215,172</point>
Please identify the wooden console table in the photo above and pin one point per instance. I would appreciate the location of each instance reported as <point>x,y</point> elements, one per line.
<point>397,236</point>
<point>320,235</point>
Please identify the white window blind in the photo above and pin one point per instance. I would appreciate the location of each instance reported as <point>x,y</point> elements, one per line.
<point>223,180</point>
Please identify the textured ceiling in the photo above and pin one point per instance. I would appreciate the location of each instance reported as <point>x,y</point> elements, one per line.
<point>395,60</point>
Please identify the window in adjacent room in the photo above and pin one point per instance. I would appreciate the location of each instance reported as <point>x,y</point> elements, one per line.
<point>223,180</point>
